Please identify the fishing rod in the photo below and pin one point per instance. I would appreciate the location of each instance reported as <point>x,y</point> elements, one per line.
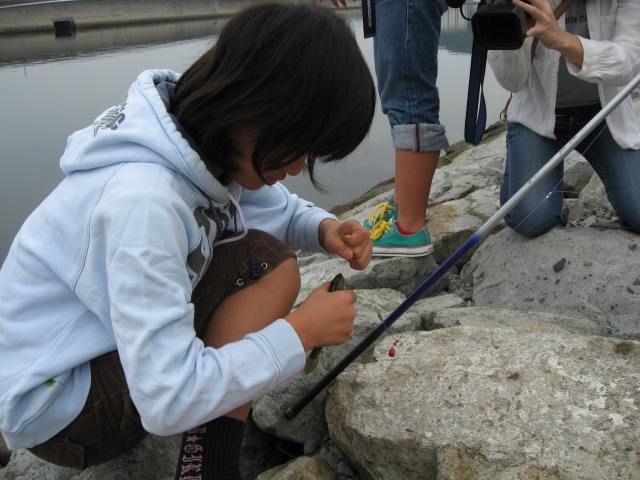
<point>475,238</point>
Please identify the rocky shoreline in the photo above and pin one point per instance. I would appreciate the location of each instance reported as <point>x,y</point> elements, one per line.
<point>522,363</point>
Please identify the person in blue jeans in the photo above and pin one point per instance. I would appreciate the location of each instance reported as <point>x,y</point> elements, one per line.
<point>406,63</point>
<point>580,63</point>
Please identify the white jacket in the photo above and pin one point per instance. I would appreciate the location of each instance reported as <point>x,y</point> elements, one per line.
<point>611,59</point>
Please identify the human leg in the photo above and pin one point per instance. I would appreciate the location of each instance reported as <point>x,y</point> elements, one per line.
<point>254,282</point>
<point>619,170</point>
<point>253,308</point>
<point>540,210</point>
<point>414,174</point>
<point>406,49</point>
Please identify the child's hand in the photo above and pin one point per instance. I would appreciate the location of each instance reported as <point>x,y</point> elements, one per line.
<point>349,240</point>
<point>324,318</point>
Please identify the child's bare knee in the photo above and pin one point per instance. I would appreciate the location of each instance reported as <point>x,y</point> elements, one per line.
<point>289,276</point>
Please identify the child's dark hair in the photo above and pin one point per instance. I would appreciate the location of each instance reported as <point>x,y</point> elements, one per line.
<point>293,74</point>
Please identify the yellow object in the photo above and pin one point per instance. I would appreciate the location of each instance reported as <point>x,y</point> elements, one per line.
<point>380,229</point>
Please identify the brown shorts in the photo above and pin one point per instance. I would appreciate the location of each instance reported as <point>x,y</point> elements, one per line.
<point>109,423</point>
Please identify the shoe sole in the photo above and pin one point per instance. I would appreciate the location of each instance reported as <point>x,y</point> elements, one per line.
<point>401,251</point>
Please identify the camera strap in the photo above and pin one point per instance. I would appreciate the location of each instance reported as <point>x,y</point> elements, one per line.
<point>476,118</point>
<point>369,18</point>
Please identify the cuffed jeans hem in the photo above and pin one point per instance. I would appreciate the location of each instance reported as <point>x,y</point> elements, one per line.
<point>420,137</point>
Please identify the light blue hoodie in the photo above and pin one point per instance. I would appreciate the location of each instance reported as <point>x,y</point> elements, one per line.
<point>109,261</point>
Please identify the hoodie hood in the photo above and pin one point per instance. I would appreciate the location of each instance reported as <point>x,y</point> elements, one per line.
<point>140,129</point>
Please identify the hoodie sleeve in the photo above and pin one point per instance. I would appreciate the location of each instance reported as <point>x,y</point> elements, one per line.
<point>175,381</point>
<point>284,215</point>
<point>616,61</point>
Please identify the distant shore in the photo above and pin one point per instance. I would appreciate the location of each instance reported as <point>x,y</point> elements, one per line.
<point>18,17</point>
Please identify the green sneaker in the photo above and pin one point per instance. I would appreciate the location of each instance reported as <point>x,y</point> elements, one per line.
<point>387,210</point>
<point>389,242</point>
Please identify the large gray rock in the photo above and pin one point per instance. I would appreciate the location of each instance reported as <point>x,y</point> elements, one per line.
<point>428,307</point>
<point>309,426</point>
<point>452,223</point>
<point>301,468</point>
<point>574,271</point>
<point>402,274</point>
<point>526,402</point>
<point>489,317</point>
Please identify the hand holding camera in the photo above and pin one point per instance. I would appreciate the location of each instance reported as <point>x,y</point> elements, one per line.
<point>542,23</point>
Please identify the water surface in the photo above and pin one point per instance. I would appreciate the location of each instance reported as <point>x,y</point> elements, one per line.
<point>51,87</point>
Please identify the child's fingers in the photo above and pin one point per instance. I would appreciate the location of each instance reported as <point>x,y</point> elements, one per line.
<point>353,298</point>
<point>358,237</point>
<point>361,257</point>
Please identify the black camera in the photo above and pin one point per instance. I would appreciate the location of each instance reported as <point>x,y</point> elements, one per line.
<point>499,25</point>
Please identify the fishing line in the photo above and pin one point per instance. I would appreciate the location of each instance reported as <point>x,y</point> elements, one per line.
<point>477,237</point>
<point>555,190</point>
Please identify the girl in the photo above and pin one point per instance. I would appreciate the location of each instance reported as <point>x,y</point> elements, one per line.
<point>152,289</point>
<point>574,71</point>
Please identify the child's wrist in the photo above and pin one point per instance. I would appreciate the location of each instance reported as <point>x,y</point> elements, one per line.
<point>323,229</point>
<point>299,326</point>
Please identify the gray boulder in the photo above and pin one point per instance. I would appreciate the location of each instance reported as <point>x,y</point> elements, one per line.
<point>428,307</point>
<point>401,274</point>
<point>309,468</point>
<point>489,317</point>
<point>582,272</point>
<point>526,402</point>
<point>309,426</point>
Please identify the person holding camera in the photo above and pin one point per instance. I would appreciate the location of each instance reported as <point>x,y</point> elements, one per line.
<point>560,77</point>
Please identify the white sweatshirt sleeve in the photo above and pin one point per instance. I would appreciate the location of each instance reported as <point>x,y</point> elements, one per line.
<point>175,381</point>
<point>511,67</point>
<point>284,215</point>
<point>614,61</point>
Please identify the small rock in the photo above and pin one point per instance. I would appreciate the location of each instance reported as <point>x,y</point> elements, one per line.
<point>558,267</point>
<point>5,453</point>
